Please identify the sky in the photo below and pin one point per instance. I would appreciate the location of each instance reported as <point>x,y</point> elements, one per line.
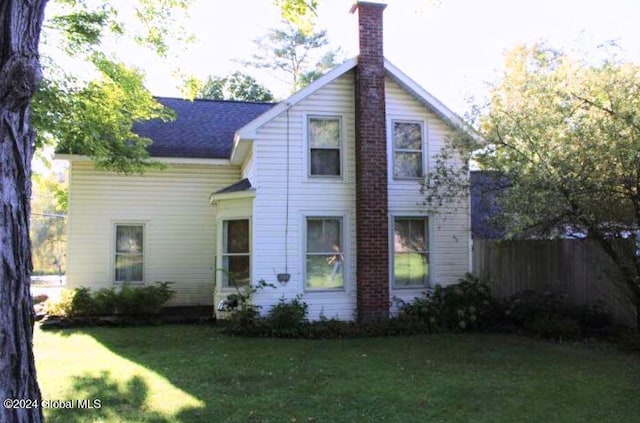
<point>452,48</point>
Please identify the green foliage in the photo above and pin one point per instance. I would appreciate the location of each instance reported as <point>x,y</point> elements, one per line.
<point>300,13</point>
<point>236,86</point>
<point>93,115</point>
<point>96,119</point>
<point>105,302</point>
<point>292,54</point>
<point>464,306</point>
<point>72,303</point>
<point>245,318</point>
<point>287,318</point>
<point>548,315</point>
<point>142,301</point>
<point>565,132</point>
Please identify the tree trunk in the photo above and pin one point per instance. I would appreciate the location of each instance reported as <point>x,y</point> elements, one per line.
<point>20,24</point>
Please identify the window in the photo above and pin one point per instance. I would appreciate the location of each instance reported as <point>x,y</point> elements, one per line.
<point>324,146</point>
<point>407,150</point>
<point>236,255</point>
<point>325,253</point>
<point>129,253</point>
<point>410,252</point>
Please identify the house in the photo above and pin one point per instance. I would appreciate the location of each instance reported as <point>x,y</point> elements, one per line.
<point>318,194</point>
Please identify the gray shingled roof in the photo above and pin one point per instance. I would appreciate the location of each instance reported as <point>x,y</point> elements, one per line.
<point>241,185</point>
<point>202,129</point>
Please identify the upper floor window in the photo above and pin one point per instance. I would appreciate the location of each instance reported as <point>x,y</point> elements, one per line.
<point>129,253</point>
<point>407,150</point>
<point>325,146</point>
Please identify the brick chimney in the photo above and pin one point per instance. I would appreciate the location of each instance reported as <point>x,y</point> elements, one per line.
<point>372,237</point>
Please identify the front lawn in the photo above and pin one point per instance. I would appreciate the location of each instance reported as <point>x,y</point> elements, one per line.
<point>193,374</point>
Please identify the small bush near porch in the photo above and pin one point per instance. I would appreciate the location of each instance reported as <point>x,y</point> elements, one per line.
<point>194,374</point>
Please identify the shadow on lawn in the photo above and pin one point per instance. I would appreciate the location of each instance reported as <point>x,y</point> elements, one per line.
<point>116,403</point>
<point>182,354</point>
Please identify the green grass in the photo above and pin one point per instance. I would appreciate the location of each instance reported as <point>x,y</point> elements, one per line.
<point>193,374</point>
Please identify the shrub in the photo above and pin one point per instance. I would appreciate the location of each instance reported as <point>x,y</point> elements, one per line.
<point>105,301</point>
<point>245,318</point>
<point>73,303</point>
<point>464,306</point>
<point>142,301</point>
<point>286,318</point>
<point>546,314</point>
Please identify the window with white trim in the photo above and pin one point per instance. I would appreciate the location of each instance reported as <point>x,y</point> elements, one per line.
<point>410,251</point>
<point>129,253</point>
<point>236,253</point>
<point>325,146</point>
<point>407,150</point>
<point>324,253</point>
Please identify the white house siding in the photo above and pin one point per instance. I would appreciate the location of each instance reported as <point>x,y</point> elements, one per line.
<point>448,229</point>
<point>180,225</point>
<point>307,197</point>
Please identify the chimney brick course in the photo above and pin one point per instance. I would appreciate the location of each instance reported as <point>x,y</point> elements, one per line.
<point>372,236</point>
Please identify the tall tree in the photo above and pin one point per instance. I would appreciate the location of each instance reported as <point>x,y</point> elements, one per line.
<point>20,74</point>
<point>565,133</point>
<point>300,13</point>
<point>96,115</point>
<point>298,57</point>
<point>237,86</point>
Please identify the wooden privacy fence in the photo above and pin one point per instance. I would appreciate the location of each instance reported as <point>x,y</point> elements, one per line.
<point>578,268</point>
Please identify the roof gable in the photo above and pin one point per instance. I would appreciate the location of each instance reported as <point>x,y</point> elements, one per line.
<point>248,131</point>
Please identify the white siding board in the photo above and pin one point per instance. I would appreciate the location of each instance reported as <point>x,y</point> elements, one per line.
<point>449,228</point>
<point>179,225</point>
<point>313,197</point>
<point>308,196</point>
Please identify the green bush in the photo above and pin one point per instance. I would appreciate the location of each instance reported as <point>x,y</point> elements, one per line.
<point>286,318</point>
<point>143,301</point>
<point>130,301</point>
<point>73,303</point>
<point>553,326</point>
<point>547,314</point>
<point>105,301</point>
<point>464,306</point>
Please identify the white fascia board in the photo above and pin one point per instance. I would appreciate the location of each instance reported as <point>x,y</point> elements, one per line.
<point>166,160</point>
<point>249,130</point>
<point>215,197</point>
<point>428,99</point>
<point>239,149</point>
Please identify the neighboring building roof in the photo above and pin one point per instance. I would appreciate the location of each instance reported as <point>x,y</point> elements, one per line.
<point>202,128</point>
<point>241,185</point>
